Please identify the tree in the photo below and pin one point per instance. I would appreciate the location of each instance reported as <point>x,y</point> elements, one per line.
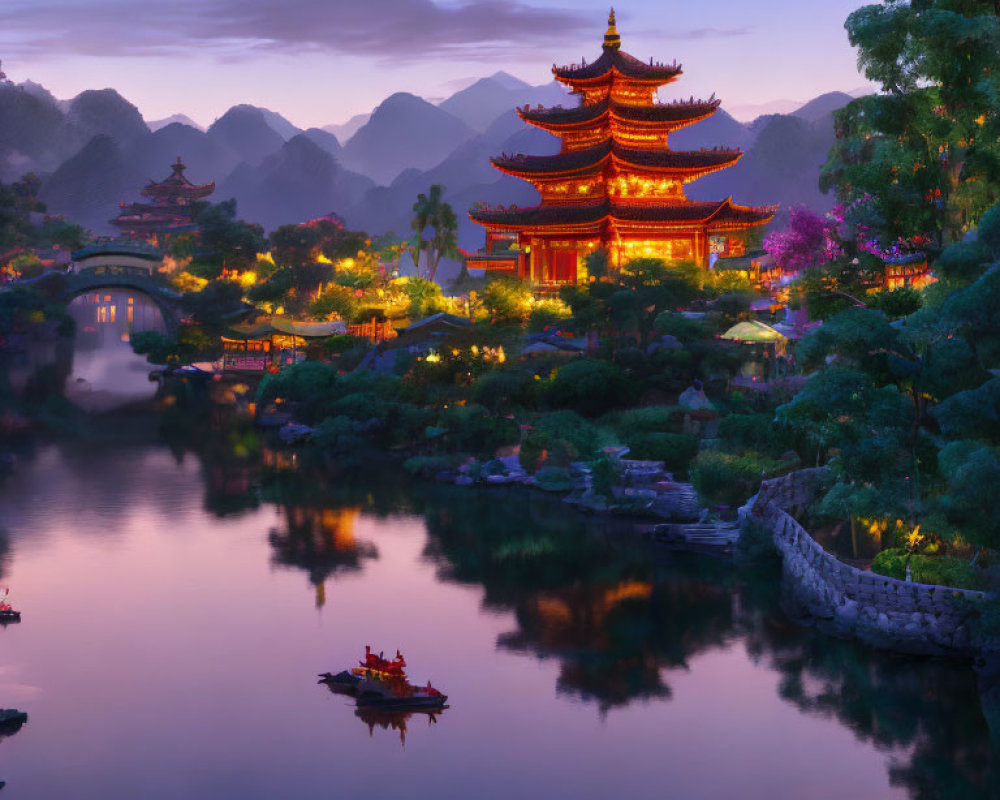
<point>647,287</point>
<point>335,301</point>
<point>430,212</point>
<point>217,300</point>
<point>425,297</point>
<point>809,241</point>
<point>326,237</point>
<point>928,147</point>
<point>234,242</point>
<point>507,299</point>
<point>17,202</point>
<point>391,249</point>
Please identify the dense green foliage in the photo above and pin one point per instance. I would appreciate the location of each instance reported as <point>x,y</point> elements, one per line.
<point>927,146</point>
<point>727,479</point>
<point>943,570</point>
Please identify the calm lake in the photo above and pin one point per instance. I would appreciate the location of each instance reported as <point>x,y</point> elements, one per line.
<point>181,590</point>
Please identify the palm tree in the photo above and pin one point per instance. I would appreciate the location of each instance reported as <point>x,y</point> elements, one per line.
<point>430,212</point>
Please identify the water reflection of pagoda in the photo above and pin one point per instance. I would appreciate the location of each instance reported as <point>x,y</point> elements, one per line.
<point>320,541</point>
<point>170,212</point>
<point>392,720</point>
<point>615,184</point>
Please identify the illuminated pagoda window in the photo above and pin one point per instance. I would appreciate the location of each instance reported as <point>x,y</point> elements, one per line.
<point>170,211</point>
<point>616,183</point>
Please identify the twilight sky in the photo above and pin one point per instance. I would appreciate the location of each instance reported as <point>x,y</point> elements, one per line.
<point>321,61</point>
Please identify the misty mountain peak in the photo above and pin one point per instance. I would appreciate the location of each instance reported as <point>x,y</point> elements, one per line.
<point>104,111</point>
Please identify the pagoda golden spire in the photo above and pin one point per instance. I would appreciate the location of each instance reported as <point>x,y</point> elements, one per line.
<point>612,40</point>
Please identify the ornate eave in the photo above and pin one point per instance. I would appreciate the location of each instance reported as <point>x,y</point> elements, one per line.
<point>614,61</point>
<point>686,164</point>
<point>709,214</point>
<point>672,116</point>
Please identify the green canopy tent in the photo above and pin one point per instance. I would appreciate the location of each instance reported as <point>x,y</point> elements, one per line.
<point>754,332</point>
<point>769,344</point>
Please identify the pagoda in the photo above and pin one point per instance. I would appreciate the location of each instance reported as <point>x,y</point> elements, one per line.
<point>615,184</point>
<point>170,212</point>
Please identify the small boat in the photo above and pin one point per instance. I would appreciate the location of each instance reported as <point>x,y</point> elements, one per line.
<point>341,683</point>
<point>7,614</point>
<point>382,683</point>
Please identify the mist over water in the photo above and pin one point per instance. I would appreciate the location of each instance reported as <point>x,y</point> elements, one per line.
<point>106,373</point>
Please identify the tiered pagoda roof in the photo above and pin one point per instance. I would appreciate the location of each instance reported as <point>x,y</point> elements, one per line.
<point>171,211</point>
<point>719,215</point>
<point>177,186</point>
<point>619,133</point>
<point>692,163</point>
<point>674,115</point>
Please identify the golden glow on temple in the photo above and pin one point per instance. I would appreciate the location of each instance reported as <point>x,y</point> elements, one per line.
<point>615,184</point>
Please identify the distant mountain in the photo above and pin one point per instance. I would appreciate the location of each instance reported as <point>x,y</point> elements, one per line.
<point>403,132</point>
<point>480,104</point>
<point>183,119</point>
<point>298,183</point>
<point>207,160</point>
<point>822,106</point>
<point>88,187</point>
<point>508,81</point>
<point>34,135</point>
<point>750,111</point>
<point>285,129</point>
<point>246,131</point>
<point>346,130</point>
<point>325,140</point>
<point>104,112</point>
<point>40,92</point>
<point>719,130</point>
<point>781,166</point>
<point>96,151</point>
<point>467,176</point>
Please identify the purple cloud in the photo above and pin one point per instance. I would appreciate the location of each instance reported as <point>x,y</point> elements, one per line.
<point>383,29</point>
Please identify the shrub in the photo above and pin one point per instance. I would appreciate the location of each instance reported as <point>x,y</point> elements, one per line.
<point>727,479</point>
<point>562,436</point>
<point>474,428</point>
<point>937,570</point>
<point>338,435</point>
<point>425,297</point>
<point>897,303</point>
<point>963,262</point>
<point>989,230</point>
<point>335,301</point>
<point>652,419</point>
<point>297,382</point>
<point>755,546</point>
<point>507,300</point>
<point>548,312</point>
<point>759,432</point>
<point>338,344</point>
<point>553,479</point>
<point>676,451</point>
<point>156,346</point>
<point>590,387</point>
<point>676,324</point>
<point>429,466</point>
<point>504,389</point>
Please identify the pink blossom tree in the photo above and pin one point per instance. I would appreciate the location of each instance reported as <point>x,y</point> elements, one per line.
<point>809,241</point>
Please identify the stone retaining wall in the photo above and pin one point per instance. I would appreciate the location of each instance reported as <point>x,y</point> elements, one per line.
<point>847,601</point>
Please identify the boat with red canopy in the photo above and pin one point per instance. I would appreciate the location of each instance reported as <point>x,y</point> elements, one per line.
<point>379,682</point>
<point>7,614</point>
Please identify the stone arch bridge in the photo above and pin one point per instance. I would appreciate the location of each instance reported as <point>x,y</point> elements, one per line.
<point>98,279</point>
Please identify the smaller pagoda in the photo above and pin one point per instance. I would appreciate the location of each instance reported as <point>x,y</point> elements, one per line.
<point>170,212</point>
